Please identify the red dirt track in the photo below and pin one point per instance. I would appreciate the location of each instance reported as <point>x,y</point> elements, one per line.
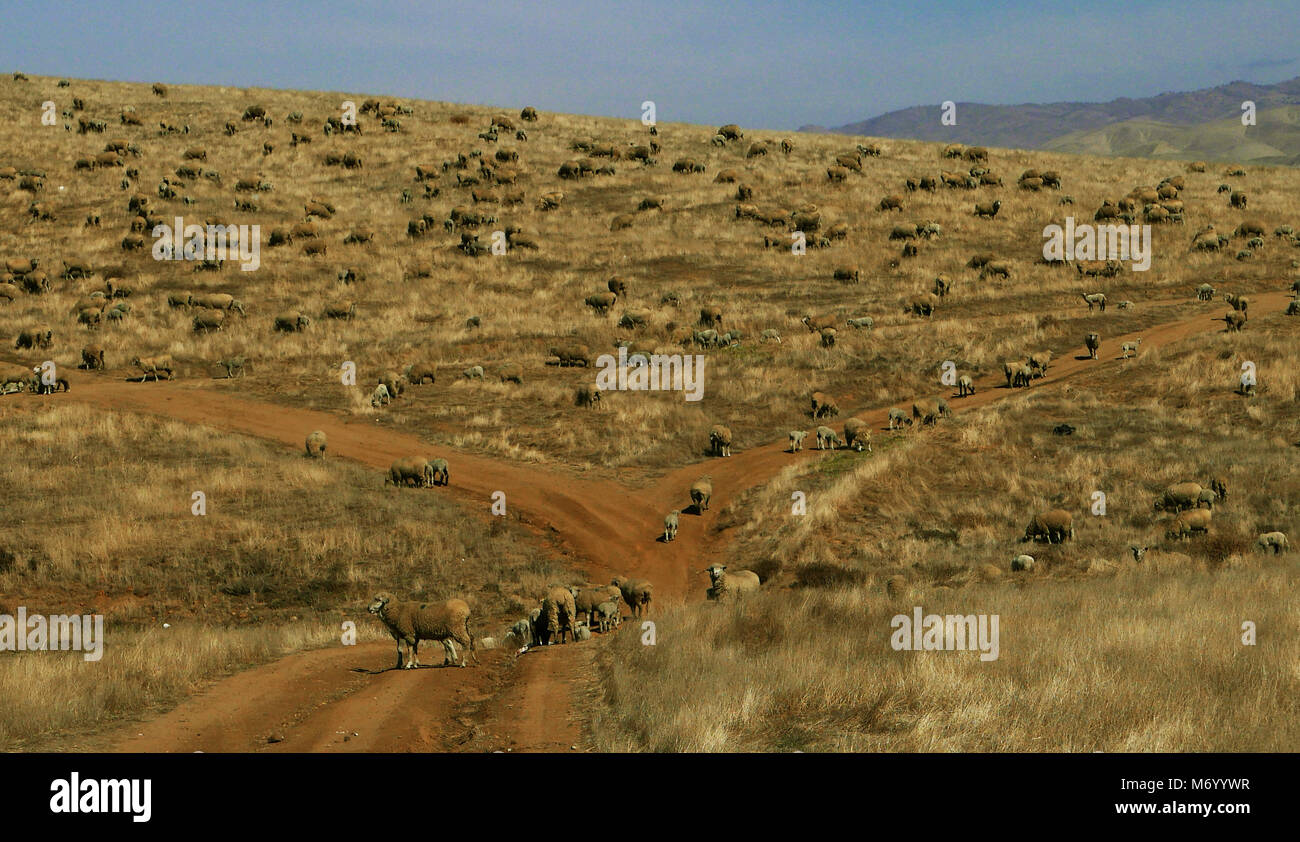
<point>315,699</point>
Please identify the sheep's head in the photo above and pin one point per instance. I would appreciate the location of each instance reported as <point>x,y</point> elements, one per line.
<point>715,573</point>
<point>1138,552</point>
<point>379,601</point>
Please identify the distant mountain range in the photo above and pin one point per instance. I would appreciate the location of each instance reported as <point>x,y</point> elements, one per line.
<point>1197,124</point>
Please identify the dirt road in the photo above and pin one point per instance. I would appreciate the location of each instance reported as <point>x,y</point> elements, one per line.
<point>346,699</point>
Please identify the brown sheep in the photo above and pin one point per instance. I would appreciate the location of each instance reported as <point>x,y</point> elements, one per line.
<point>411,622</point>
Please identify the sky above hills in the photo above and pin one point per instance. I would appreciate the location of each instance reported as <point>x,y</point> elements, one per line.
<point>759,63</point>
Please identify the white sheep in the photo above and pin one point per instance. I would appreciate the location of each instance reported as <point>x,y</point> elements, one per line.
<point>670,525</point>
<point>1275,541</point>
<point>381,396</point>
<point>1131,347</point>
<point>1023,562</point>
<point>731,585</point>
<point>796,440</point>
<point>411,622</point>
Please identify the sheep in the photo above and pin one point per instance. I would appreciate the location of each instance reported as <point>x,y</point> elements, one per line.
<point>796,440</point>
<point>770,335</point>
<point>1292,308</point>
<point>637,593</point>
<point>1237,302</point>
<point>823,405</point>
<point>410,471</point>
<point>857,435</point>
<point>1131,348</point>
<point>1039,362</point>
<point>1206,499</point>
<point>587,396</point>
<point>897,418</point>
<point>894,202</point>
<point>1205,292</point>
<point>511,373</point>
<point>1275,541</point>
<point>316,444</point>
<point>828,337</point>
<point>1179,496</point>
<point>988,211</point>
<point>291,322</point>
<point>608,615</point>
<point>720,440</point>
<point>601,302</point>
<point>1023,563</point>
<point>847,273</point>
<point>153,366</point>
<point>340,310</point>
<point>733,585</point>
<point>1056,525</point>
<point>1188,523</point>
<point>1237,199</point>
<point>1096,299</point>
<point>1093,342</point>
<point>474,372</point>
<point>1235,321</point>
<point>34,337</point>
<point>863,322</point>
<point>670,525</point>
<point>411,622</point>
<point>827,439</point>
<point>926,411</point>
<point>701,492</point>
<point>92,358</point>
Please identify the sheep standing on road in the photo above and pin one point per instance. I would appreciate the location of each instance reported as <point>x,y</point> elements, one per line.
<point>720,440</point>
<point>670,525</point>
<point>965,386</point>
<point>559,615</point>
<point>1093,341</point>
<point>316,444</point>
<point>1131,348</point>
<point>411,622</point>
<point>827,439</point>
<point>637,593</point>
<point>898,418</point>
<point>701,492</point>
<point>733,585</point>
<point>796,440</point>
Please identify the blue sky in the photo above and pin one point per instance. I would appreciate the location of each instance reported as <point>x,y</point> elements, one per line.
<point>764,64</point>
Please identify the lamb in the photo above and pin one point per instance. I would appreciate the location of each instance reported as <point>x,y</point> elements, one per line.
<point>1055,525</point>
<point>965,386</point>
<point>1023,563</point>
<point>637,593</point>
<point>437,473</point>
<point>1131,348</point>
<point>796,440</point>
<point>720,440</point>
<point>380,396</point>
<point>316,444</point>
<point>670,525</point>
<point>608,615</point>
<point>734,585</point>
<point>1096,299</point>
<point>1275,541</point>
<point>897,418</point>
<point>1188,524</point>
<point>1093,342</point>
<point>827,439</point>
<point>701,493</point>
<point>1179,496</point>
<point>411,622</point>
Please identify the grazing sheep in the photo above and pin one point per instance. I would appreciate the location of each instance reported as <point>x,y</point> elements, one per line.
<point>1275,541</point>
<point>92,358</point>
<point>926,411</point>
<point>1220,487</point>
<point>380,396</point>
<point>474,372</point>
<point>922,305</point>
<point>1093,342</point>
<point>1292,308</point>
<point>1205,292</point>
<point>720,440</point>
<point>1188,524</point>
<point>733,585</point>
<point>701,492</point>
<point>1023,563</point>
<point>411,622</point>
<point>857,435</point>
<point>1179,496</point>
<point>894,202</point>
<point>1131,348</point>
<point>587,396</point>
<point>511,373</point>
<point>316,444</point>
<point>35,337</point>
<point>770,335</point>
<point>601,302</point>
<point>898,418</point>
<point>670,525</point>
<point>1206,499</point>
<point>827,439</point>
<point>863,322</point>
<point>1056,525</point>
<point>828,337</point>
<point>292,322</point>
<point>637,593</point>
<point>796,440</point>
<point>847,273</point>
<point>1235,321</point>
<point>823,405</point>
<point>409,471</point>
<point>711,317</point>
